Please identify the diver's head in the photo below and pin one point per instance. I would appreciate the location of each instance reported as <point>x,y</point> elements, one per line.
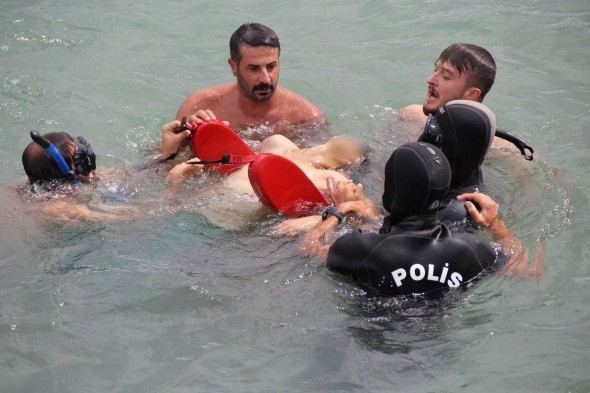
<point>464,131</point>
<point>417,177</point>
<point>41,157</point>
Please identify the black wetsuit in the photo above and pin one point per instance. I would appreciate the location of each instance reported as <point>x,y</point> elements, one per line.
<point>418,255</point>
<point>453,212</point>
<point>464,131</point>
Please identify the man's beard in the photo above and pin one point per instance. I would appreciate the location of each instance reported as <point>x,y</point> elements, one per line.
<point>251,92</point>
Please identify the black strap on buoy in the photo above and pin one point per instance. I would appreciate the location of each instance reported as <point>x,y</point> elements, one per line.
<point>516,141</point>
<point>227,159</point>
<point>182,127</point>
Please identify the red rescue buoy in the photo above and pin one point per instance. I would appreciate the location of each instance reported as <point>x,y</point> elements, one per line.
<point>281,185</point>
<point>212,139</point>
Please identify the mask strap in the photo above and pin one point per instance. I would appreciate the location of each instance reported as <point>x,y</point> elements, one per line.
<point>519,143</point>
<point>56,155</point>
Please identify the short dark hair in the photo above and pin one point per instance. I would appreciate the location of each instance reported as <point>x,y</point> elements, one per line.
<point>38,163</point>
<point>478,62</point>
<point>252,34</point>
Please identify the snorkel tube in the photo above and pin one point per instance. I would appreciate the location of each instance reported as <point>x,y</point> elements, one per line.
<point>516,141</point>
<point>56,155</point>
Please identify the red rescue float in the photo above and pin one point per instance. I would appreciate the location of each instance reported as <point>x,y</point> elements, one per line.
<point>278,182</point>
<point>212,139</point>
<point>281,185</point>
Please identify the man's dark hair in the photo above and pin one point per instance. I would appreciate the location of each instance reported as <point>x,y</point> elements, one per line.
<point>38,163</point>
<point>252,34</point>
<point>476,61</point>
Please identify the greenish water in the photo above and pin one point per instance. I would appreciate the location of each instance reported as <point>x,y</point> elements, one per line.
<point>173,303</point>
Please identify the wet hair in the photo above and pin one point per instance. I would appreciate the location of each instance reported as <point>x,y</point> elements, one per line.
<point>252,34</point>
<point>476,61</point>
<point>417,178</point>
<point>38,163</point>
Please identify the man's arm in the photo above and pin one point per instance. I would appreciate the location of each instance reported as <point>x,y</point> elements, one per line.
<point>487,217</point>
<point>317,241</point>
<point>172,140</point>
<point>347,197</point>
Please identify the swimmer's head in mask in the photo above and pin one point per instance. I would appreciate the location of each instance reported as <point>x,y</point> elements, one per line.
<point>84,159</point>
<point>417,177</point>
<point>56,155</point>
<point>464,131</point>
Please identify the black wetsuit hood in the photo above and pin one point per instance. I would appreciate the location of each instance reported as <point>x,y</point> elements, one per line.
<point>464,131</point>
<point>417,177</point>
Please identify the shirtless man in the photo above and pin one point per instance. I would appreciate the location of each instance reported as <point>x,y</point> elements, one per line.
<point>255,98</point>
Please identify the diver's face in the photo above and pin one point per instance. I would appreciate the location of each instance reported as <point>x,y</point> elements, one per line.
<point>445,84</point>
<point>257,72</point>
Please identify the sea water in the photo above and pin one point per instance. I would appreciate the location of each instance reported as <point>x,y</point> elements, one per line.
<point>173,302</point>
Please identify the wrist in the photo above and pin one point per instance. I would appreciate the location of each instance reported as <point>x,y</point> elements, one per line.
<point>491,223</point>
<point>332,211</point>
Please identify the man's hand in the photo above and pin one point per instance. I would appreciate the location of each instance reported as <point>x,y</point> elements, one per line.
<point>182,171</point>
<point>488,209</point>
<point>171,141</point>
<point>199,117</point>
<point>344,191</point>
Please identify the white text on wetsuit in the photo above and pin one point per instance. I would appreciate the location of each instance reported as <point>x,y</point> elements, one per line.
<point>418,273</point>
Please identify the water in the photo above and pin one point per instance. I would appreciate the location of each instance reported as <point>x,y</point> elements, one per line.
<point>173,303</point>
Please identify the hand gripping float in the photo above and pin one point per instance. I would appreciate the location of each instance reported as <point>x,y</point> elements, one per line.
<point>278,182</point>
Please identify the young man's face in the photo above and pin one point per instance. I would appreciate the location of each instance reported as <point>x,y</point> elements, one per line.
<point>447,84</point>
<point>257,73</point>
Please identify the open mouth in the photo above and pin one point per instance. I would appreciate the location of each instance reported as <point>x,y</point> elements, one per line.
<point>431,94</point>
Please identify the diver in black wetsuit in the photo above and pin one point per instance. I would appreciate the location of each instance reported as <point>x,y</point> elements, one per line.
<point>464,131</point>
<point>415,253</point>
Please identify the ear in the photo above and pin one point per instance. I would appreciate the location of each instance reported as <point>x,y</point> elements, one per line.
<point>472,94</point>
<point>233,65</point>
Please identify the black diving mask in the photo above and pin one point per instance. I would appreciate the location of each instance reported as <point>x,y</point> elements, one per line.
<point>84,158</point>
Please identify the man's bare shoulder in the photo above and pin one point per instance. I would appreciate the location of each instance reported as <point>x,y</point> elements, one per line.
<point>413,112</point>
<point>299,108</point>
<point>206,98</point>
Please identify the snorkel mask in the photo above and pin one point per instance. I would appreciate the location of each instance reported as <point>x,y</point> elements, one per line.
<point>84,159</point>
